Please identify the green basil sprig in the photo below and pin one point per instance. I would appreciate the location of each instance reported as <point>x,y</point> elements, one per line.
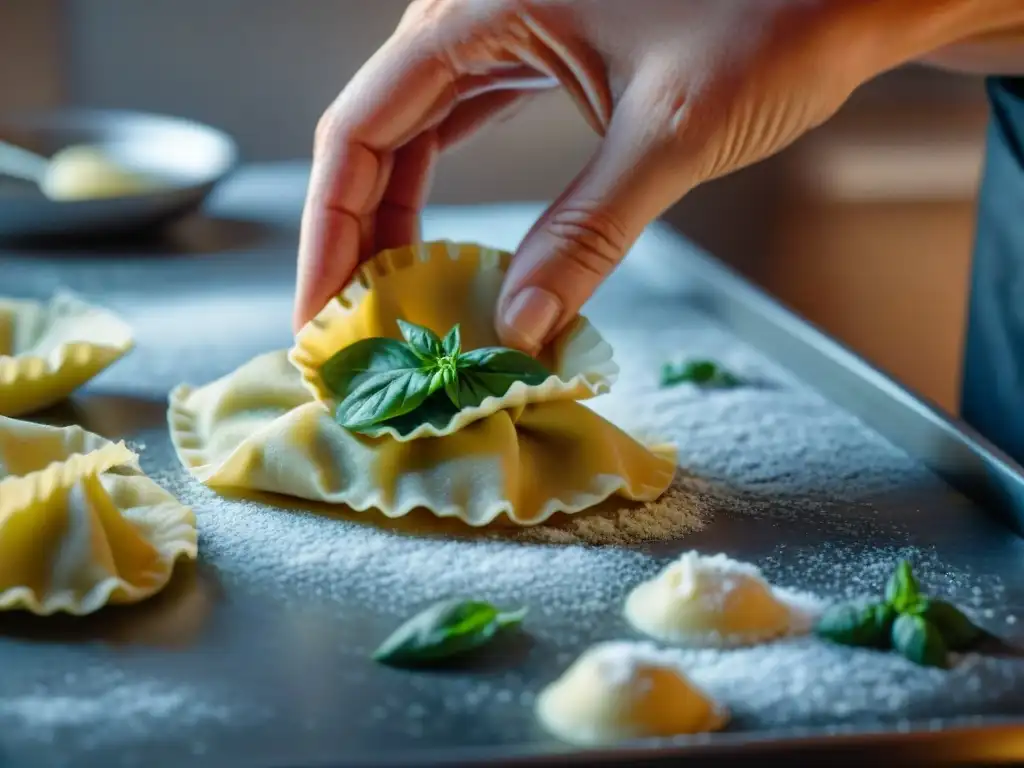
<point>920,628</point>
<point>445,630</point>
<point>703,373</point>
<point>423,379</point>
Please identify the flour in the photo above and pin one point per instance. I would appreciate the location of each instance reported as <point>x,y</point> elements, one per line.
<point>681,510</point>
<point>100,708</point>
<point>770,471</point>
<point>396,571</point>
<point>797,682</point>
<point>617,662</point>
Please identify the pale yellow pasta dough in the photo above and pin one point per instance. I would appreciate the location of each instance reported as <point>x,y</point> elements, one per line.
<point>437,285</point>
<point>48,350</point>
<point>81,526</point>
<point>268,426</point>
<point>618,691</point>
<point>713,601</point>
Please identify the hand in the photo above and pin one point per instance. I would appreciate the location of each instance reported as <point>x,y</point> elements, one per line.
<point>682,91</point>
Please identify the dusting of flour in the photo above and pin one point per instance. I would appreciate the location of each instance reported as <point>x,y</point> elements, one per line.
<point>94,707</point>
<point>769,471</point>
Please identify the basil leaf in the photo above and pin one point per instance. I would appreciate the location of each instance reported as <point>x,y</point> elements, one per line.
<point>902,591</point>
<point>864,626</point>
<point>423,341</point>
<point>958,632</point>
<point>452,343</point>
<point>920,641</point>
<point>705,373</point>
<point>445,630</point>
<point>349,368</point>
<point>383,395</point>
<point>490,371</point>
<point>436,380</point>
<point>437,409</point>
<point>451,386</point>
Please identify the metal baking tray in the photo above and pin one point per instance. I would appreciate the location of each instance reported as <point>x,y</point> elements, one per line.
<point>824,475</point>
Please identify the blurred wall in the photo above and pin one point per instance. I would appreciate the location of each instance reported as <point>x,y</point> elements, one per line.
<point>264,70</point>
<point>30,69</point>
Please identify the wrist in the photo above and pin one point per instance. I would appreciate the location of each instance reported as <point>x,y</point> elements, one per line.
<point>897,32</point>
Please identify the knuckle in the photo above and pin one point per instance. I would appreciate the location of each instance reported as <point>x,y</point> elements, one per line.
<point>593,239</point>
<point>326,131</point>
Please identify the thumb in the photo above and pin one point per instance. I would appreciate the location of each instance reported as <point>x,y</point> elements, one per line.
<point>583,236</point>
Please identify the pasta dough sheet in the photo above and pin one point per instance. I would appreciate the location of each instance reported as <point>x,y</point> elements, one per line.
<point>48,350</point>
<point>537,451</point>
<point>438,285</point>
<point>81,525</point>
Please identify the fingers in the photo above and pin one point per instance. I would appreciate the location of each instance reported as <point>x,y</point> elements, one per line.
<point>397,221</point>
<point>374,161</point>
<point>383,107</point>
<point>584,235</point>
<point>470,116</point>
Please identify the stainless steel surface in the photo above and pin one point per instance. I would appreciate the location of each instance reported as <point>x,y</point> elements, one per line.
<point>190,158</point>
<point>258,656</point>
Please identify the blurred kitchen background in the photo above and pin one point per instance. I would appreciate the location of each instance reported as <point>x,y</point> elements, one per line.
<point>865,227</point>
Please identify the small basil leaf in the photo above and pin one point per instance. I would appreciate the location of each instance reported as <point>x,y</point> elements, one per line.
<point>423,341</point>
<point>902,591</point>
<point>445,630</point>
<point>451,386</point>
<point>863,626</point>
<point>884,617</point>
<point>436,380</point>
<point>489,372</point>
<point>704,373</point>
<point>384,395</point>
<point>452,343</point>
<point>958,631</point>
<point>919,640</point>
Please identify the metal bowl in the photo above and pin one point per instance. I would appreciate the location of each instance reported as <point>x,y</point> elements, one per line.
<point>190,159</point>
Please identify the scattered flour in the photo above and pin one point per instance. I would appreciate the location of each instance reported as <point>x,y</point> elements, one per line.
<point>681,510</point>
<point>772,469</point>
<point>96,710</point>
<point>41,716</point>
<point>805,682</point>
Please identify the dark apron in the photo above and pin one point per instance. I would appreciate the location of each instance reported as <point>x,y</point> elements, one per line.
<point>992,399</point>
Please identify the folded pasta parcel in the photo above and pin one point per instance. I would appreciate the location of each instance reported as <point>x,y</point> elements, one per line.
<point>398,396</point>
<point>81,526</point>
<point>50,349</point>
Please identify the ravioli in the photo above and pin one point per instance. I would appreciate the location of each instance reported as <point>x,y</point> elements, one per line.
<point>712,601</point>
<point>523,457</point>
<point>617,691</point>
<point>48,350</point>
<point>81,526</point>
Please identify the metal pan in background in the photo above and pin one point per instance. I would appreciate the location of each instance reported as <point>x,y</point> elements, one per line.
<point>189,159</point>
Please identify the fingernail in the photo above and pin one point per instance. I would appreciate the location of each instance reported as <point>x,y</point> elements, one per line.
<point>530,317</point>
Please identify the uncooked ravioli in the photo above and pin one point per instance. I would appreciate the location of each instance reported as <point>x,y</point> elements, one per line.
<point>712,601</point>
<point>621,690</point>
<point>81,525</point>
<point>520,458</point>
<point>50,349</point>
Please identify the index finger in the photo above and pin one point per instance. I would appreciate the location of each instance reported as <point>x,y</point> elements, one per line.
<point>388,102</point>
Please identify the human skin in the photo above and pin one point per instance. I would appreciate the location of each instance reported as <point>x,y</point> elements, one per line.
<point>680,92</point>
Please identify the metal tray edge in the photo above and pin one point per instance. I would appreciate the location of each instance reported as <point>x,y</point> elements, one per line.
<point>949,447</point>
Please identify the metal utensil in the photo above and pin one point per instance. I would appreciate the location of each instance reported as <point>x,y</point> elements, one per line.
<point>22,164</point>
<point>78,172</point>
<point>104,172</point>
